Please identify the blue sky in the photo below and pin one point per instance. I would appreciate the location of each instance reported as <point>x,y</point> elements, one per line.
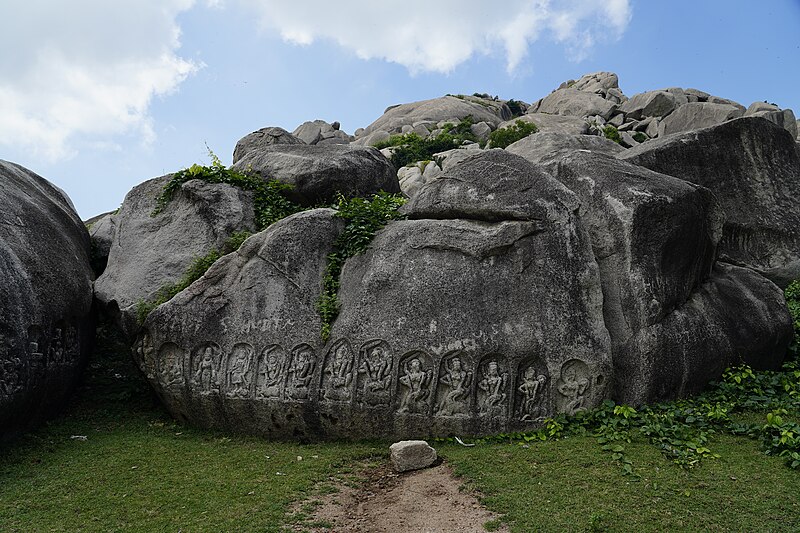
<point>99,96</point>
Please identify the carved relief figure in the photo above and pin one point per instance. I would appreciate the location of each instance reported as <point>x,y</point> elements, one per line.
<point>170,360</point>
<point>72,345</point>
<point>301,372</point>
<point>205,369</point>
<point>415,382</point>
<point>375,373</point>
<point>239,370</point>
<point>531,390</point>
<point>492,389</point>
<point>271,372</point>
<point>454,388</point>
<point>12,370</point>
<point>573,386</point>
<point>56,353</point>
<point>338,373</point>
<point>36,359</point>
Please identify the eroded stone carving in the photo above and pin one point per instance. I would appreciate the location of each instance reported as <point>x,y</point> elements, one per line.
<point>492,395</point>
<point>238,374</point>
<point>416,371</point>
<point>12,371</point>
<point>573,386</point>
<point>56,351</point>
<point>271,372</point>
<point>453,391</point>
<point>170,365</point>
<point>375,373</point>
<point>531,394</point>
<point>37,362</point>
<point>205,365</point>
<point>337,376</point>
<point>301,372</point>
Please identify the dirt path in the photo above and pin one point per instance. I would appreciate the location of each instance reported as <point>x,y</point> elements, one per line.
<point>425,501</point>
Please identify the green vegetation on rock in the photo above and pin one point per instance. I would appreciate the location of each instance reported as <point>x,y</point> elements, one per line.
<point>269,199</point>
<point>612,133</point>
<point>516,108</point>
<point>363,219</point>
<point>503,137</point>
<point>793,301</point>
<point>410,147</point>
<point>639,137</point>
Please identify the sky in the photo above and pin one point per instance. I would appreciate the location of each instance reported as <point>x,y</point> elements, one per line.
<point>98,96</point>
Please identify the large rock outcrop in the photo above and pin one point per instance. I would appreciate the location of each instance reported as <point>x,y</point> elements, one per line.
<point>654,238</point>
<point>434,337</point>
<point>753,167</point>
<point>261,138</point>
<point>318,173</point>
<point>45,298</point>
<point>150,251</point>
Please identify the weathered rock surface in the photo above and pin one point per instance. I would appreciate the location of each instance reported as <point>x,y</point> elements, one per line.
<point>446,108</point>
<point>544,147</point>
<point>261,138</point>
<point>240,349</point>
<point>552,123</point>
<point>650,104</point>
<point>432,338</point>
<point>572,102</point>
<point>320,132</point>
<point>149,252</point>
<point>411,455</point>
<point>698,115</point>
<point>101,233</point>
<point>45,299</point>
<point>318,173</point>
<point>782,117</point>
<point>753,167</point>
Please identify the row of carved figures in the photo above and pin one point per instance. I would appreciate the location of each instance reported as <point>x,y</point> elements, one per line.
<point>459,388</point>
<point>17,372</point>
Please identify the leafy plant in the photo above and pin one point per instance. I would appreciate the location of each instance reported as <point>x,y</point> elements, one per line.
<point>792,294</point>
<point>639,137</point>
<point>515,107</point>
<point>269,201</point>
<point>503,137</point>
<point>410,147</point>
<point>364,218</point>
<point>195,271</point>
<point>612,133</point>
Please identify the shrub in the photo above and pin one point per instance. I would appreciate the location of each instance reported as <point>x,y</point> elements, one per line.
<point>639,137</point>
<point>511,134</point>
<point>364,218</point>
<point>410,147</point>
<point>611,133</point>
<point>515,107</point>
<point>792,294</point>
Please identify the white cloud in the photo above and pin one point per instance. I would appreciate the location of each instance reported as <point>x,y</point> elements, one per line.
<point>85,69</point>
<point>438,35</point>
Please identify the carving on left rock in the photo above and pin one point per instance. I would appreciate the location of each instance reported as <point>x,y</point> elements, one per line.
<point>238,372</point>
<point>416,373</point>
<point>205,368</point>
<point>12,371</point>
<point>492,387</point>
<point>573,386</point>
<point>271,372</point>
<point>300,372</point>
<point>170,363</point>
<point>375,373</point>
<point>37,362</point>
<point>56,352</point>
<point>337,376</point>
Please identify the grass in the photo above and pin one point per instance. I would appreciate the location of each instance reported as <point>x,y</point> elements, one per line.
<point>572,485</point>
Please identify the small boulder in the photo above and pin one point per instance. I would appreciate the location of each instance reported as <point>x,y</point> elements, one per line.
<point>543,147</point>
<point>650,104</point>
<point>263,137</point>
<point>318,173</point>
<point>411,455</point>
<point>573,102</point>
<point>697,115</point>
<point>552,123</point>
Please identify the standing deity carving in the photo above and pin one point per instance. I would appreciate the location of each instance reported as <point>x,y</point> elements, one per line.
<point>239,362</point>
<point>205,369</point>
<point>573,386</point>
<point>531,391</point>
<point>416,382</point>
<point>492,394</point>
<point>455,382</point>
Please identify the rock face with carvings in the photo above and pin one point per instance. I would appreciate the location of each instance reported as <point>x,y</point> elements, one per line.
<point>45,298</point>
<point>433,336</point>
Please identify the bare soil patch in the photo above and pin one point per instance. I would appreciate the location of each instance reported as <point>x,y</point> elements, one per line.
<point>423,501</point>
